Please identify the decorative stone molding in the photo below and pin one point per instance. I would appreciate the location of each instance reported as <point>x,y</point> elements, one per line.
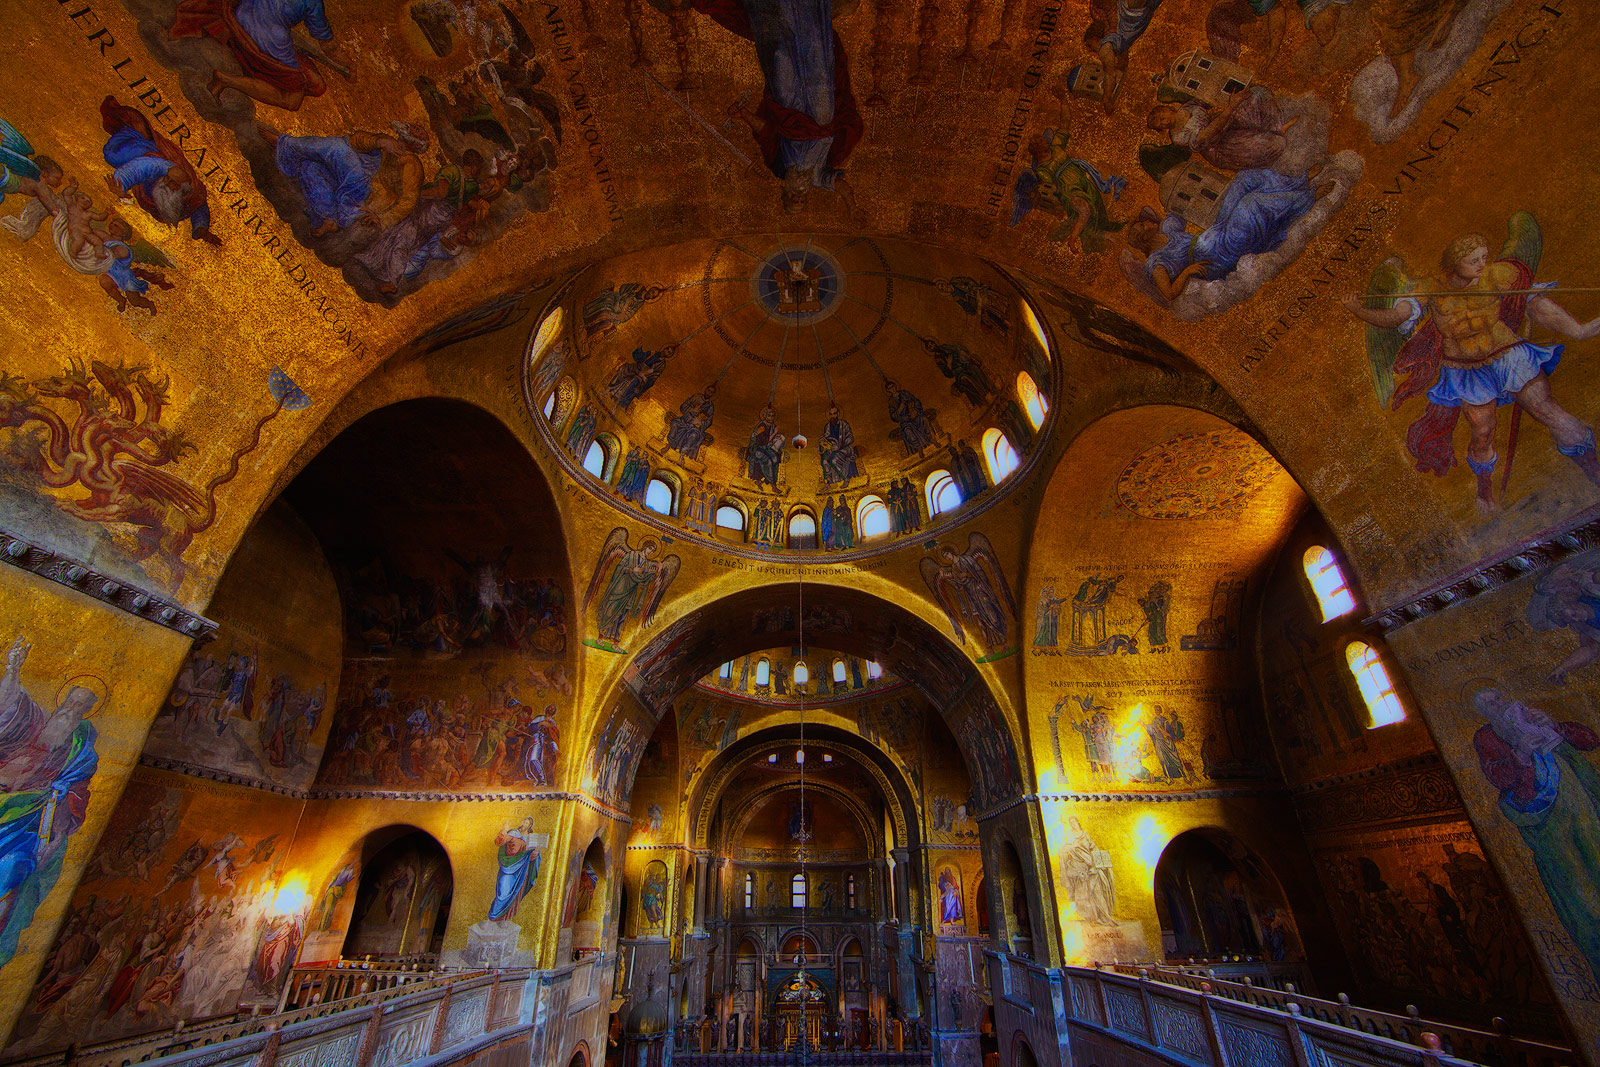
<point>1532,555</point>
<point>212,774</point>
<point>1173,796</point>
<point>1415,788</point>
<point>124,596</point>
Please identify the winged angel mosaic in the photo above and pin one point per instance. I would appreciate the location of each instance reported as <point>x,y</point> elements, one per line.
<point>635,581</point>
<point>971,585</point>
<point>1460,338</point>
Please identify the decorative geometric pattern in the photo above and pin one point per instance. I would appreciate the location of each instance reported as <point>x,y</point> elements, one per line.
<point>1246,1044</point>
<point>1195,475</point>
<point>1127,1012</point>
<point>1180,1029</point>
<point>325,1054</point>
<point>1085,1005</point>
<point>466,1020</point>
<point>1351,1057</point>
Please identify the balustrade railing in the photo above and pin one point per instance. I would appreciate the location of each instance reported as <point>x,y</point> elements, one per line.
<point>320,983</point>
<point>1164,1007</point>
<point>440,1011</point>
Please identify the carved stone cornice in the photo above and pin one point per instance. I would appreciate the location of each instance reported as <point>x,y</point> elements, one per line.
<point>1418,788</point>
<point>1532,555</point>
<point>1168,797</point>
<point>326,793</point>
<point>57,567</point>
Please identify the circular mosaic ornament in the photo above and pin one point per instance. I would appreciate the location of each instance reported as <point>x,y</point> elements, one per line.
<point>1195,475</point>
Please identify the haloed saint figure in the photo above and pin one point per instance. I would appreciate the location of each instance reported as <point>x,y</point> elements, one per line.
<point>47,758</point>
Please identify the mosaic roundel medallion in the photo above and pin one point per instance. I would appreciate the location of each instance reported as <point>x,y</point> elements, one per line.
<point>1195,475</point>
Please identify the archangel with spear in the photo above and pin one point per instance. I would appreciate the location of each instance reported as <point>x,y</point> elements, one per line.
<point>1461,337</point>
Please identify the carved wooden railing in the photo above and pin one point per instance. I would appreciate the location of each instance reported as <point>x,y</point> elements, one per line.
<point>1250,970</point>
<point>1215,1022</point>
<point>455,1011</point>
<point>321,983</point>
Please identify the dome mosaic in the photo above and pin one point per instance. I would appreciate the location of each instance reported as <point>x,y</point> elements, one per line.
<point>803,394</point>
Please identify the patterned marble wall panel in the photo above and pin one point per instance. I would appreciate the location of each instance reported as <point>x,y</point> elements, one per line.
<point>1127,1012</point>
<point>1255,1046</point>
<point>1085,1004</point>
<point>405,1036</point>
<point>1180,1029</point>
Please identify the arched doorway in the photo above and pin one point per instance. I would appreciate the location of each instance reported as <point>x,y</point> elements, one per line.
<point>403,900</point>
<point>1216,898</point>
<point>586,905</point>
<point>1015,902</point>
<point>801,1007</point>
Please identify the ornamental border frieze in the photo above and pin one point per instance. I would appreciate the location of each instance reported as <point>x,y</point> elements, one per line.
<point>1532,555</point>
<point>119,593</point>
<point>1172,796</point>
<point>1416,788</point>
<point>211,774</point>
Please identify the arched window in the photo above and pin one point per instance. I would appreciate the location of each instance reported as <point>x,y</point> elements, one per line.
<point>549,406</point>
<point>545,335</point>
<point>1036,328</point>
<point>850,890</point>
<point>566,395</point>
<point>749,891</point>
<point>594,460</point>
<point>797,891</point>
<point>730,518</point>
<point>1327,581</point>
<point>763,673</point>
<point>802,673</point>
<point>1383,704</point>
<point>872,517</point>
<point>838,670</point>
<point>874,670</point>
<point>943,493</point>
<point>725,672</point>
<point>1033,401</point>
<point>802,530</point>
<point>659,497</point>
<point>998,454</point>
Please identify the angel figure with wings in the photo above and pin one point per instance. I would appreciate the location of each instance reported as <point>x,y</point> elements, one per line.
<point>636,583</point>
<point>972,586</point>
<point>1461,337</point>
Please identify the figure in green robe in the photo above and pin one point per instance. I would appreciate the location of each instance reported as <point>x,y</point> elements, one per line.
<point>1551,793</point>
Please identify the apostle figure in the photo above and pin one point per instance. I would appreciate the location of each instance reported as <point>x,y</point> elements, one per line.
<point>688,430</point>
<point>615,305</point>
<point>966,373</point>
<point>519,857</point>
<point>950,910</point>
<point>1087,871</point>
<point>914,431</point>
<point>836,450</point>
<point>844,536</point>
<point>764,454</point>
<point>806,123</point>
<point>636,374</point>
<point>1551,793</point>
<point>47,759</point>
<point>580,435</point>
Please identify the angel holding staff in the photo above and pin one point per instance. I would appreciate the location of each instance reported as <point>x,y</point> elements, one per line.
<point>1461,337</point>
